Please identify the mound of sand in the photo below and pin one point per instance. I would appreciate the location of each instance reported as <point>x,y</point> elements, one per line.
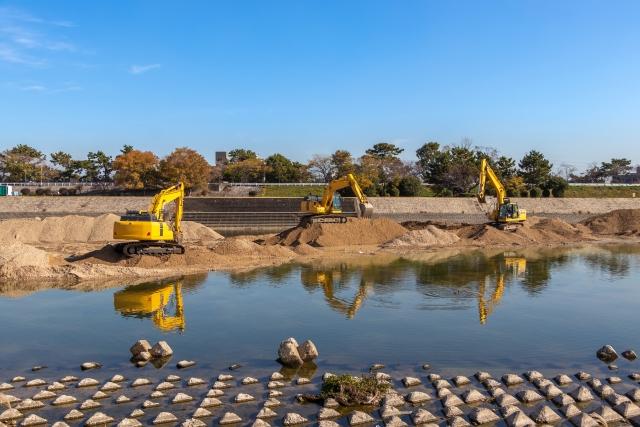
<point>196,232</point>
<point>20,261</point>
<point>82,229</point>
<point>357,231</point>
<point>535,230</point>
<point>428,236</point>
<point>618,222</point>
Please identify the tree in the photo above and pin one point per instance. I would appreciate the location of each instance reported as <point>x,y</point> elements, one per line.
<point>556,185</point>
<point>342,163</point>
<point>432,162</point>
<point>22,163</point>
<point>241,154</point>
<point>384,150</point>
<point>615,167</point>
<point>101,164</point>
<point>126,148</point>
<point>409,186</point>
<point>322,167</point>
<point>185,165</point>
<point>535,168</point>
<point>65,162</point>
<point>505,167</point>
<point>136,169</point>
<point>249,170</point>
<point>281,169</point>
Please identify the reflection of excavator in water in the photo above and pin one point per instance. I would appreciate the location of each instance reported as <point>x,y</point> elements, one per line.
<point>152,300</point>
<point>513,265</point>
<point>328,207</point>
<point>506,215</point>
<point>151,233</point>
<point>327,280</point>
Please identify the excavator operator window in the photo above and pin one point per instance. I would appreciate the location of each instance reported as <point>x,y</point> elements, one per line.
<point>337,201</point>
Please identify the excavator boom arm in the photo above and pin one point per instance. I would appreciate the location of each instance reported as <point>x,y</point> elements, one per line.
<point>487,172</point>
<point>338,184</point>
<point>168,195</point>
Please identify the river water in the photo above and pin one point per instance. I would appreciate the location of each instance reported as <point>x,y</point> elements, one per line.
<point>545,309</point>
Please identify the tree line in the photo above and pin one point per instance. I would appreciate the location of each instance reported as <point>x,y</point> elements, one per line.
<point>452,170</point>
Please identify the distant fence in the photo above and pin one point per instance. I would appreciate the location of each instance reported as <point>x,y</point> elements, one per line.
<point>59,184</point>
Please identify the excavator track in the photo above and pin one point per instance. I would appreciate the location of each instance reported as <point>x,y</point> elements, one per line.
<point>149,248</point>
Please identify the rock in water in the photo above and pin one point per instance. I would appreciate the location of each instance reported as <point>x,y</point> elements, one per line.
<point>183,364</point>
<point>292,419</point>
<point>230,418</point>
<point>90,365</point>
<point>161,349</point>
<point>607,354</point>
<point>629,355</point>
<point>139,347</point>
<point>288,353</point>
<point>308,351</point>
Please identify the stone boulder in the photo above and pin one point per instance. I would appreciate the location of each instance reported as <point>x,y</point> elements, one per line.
<point>308,351</point>
<point>607,354</point>
<point>139,347</point>
<point>161,349</point>
<point>288,353</point>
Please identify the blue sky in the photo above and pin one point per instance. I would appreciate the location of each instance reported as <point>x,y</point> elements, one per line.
<point>304,77</point>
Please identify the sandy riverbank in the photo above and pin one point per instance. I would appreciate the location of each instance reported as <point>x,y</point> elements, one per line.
<point>76,249</point>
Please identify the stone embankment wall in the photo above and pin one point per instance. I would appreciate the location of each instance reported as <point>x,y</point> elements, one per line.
<point>266,215</point>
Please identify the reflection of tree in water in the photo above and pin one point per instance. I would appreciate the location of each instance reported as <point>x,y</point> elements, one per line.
<point>273,275</point>
<point>615,264</point>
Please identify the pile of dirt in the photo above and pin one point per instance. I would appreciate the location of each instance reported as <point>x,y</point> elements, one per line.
<point>20,261</point>
<point>536,230</point>
<point>619,222</point>
<point>425,237</point>
<point>83,229</point>
<point>356,231</point>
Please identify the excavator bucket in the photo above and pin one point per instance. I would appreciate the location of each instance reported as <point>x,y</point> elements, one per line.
<point>366,210</point>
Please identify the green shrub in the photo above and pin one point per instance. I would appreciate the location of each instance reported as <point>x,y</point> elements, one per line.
<point>534,192</point>
<point>410,186</point>
<point>524,193</point>
<point>25,191</point>
<point>349,390</point>
<point>63,191</point>
<point>546,193</point>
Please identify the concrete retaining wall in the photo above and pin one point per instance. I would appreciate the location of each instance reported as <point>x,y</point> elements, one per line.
<point>266,215</point>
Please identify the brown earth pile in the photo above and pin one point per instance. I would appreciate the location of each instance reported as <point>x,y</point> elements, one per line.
<point>357,231</point>
<point>618,222</point>
<point>428,236</point>
<point>77,228</point>
<point>18,260</point>
<point>535,230</point>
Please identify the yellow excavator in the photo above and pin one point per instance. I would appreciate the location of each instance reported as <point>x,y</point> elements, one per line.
<point>151,300</point>
<point>506,215</point>
<point>328,207</point>
<point>149,230</point>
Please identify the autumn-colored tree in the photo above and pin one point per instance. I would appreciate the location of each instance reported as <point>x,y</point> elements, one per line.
<point>136,169</point>
<point>249,170</point>
<point>185,165</point>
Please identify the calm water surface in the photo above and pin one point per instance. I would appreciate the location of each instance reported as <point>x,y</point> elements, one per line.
<point>548,310</point>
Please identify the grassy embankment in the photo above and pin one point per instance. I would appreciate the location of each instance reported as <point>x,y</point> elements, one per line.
<point>572,191</point>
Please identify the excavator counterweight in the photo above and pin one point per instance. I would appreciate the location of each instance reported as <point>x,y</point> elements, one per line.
<point>328,207</point>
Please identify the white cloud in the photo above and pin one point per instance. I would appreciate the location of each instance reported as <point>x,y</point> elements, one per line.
<point>140,69</point>
<point>26,39</point>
